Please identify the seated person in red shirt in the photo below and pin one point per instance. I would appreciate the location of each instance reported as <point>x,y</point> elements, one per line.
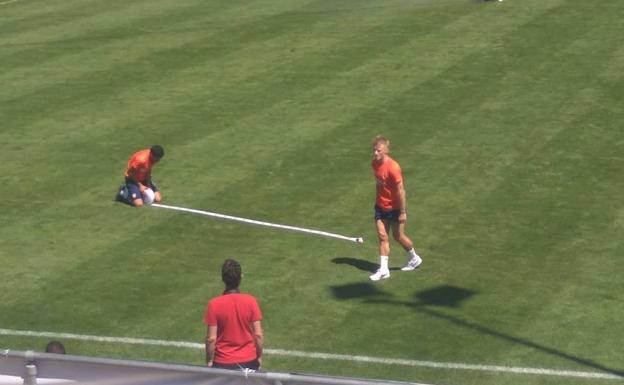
<point>139,176</point>
<point>234,337</point>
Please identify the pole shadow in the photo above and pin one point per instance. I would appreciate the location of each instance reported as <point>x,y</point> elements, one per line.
<point>450,296</point>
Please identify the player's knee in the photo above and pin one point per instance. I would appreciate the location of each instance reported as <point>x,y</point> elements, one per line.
<point>157,197</point>
<point>138,202</point>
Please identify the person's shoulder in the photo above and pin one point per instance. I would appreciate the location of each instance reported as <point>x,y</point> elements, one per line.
<point>394,168</point>
<point>393,163</point>
<point>216,300</point>
<point>139,155</point>
<point>248,297</point>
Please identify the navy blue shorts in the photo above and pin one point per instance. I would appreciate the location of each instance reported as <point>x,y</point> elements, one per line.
<point>392,215</point>
<point>135,191</point>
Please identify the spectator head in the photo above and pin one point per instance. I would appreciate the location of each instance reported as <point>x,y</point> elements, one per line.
<point>231,274</point>
<point>55,347</point>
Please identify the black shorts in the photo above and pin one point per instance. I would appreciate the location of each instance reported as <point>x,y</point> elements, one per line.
<point>135,191</point>
<point>251,365</point>
<point>392,215</point>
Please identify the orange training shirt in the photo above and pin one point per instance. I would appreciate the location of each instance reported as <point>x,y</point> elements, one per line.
<point>388,176</point>
<point>140,164</point>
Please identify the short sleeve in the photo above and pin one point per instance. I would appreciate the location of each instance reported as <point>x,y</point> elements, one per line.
<point>210,318</point>
<point>256,313</point>
<point>396,174</point>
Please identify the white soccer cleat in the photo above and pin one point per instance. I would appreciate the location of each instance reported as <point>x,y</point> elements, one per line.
<point>412,264</point>
<point>380,274</point>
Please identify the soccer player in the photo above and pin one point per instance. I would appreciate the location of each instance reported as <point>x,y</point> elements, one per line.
<point>139,176</point>
<point>234,335</point>
<point>390,209</point>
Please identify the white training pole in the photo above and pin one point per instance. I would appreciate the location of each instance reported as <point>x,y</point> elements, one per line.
<point>260,223</point>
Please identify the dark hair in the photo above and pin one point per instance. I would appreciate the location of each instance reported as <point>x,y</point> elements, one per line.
<point>55,347</point>
<point>157,151</point>
<point>231,274</point>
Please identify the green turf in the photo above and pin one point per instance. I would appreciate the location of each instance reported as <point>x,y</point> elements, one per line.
<point>505,118</point>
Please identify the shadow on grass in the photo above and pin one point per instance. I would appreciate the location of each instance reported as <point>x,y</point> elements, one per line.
<point>453,297</point>
<point>360,264</point>
<point>357,290</point>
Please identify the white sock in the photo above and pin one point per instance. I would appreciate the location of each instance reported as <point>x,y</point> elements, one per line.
<point>411,254</point>
<point>384,262</point>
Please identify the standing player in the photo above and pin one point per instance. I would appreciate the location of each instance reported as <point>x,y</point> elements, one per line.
<point>234,335</point>
<point>139,176</point>
<point>390,209</point>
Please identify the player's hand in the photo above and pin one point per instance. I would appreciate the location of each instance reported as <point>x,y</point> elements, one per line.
<point>402,217</point>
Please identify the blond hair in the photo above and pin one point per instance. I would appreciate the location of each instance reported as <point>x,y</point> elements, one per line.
<point>380,139</point>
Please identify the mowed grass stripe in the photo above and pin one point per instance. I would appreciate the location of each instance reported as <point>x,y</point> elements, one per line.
<point>62,136</point>
<point>88,83</point>
<point>461,121</point>
<point>501,88</point>
<point>30,15</point>
<point>105,16</point>
<point>128,43</point>
<point>575,110</point>
<point>578,107</point>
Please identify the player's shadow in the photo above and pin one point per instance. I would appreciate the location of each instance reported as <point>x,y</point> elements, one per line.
<point>360,264</point>
<point>449,296</point>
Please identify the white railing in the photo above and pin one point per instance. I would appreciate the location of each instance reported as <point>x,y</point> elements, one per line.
<point>30,368</point>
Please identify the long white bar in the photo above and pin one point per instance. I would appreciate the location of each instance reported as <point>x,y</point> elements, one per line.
<point>260,223</point>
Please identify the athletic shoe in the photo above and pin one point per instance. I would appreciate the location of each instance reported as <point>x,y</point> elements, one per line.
<point>122,194</point>
<point>412,264</point>
<point>380,274</point>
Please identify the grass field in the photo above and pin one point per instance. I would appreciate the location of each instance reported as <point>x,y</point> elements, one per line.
<point>504,116</point>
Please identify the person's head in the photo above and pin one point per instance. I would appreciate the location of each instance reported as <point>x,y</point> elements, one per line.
<point>381,147</point>
<point>156,152</point>
<point>231,274</point>
<point>55,347</point>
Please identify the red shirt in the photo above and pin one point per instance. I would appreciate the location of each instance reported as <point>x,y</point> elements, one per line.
<point>388,176</point>
<point>233,315</point>
<point>140,165</point>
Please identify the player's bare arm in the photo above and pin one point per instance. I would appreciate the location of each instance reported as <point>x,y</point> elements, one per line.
<point>211,343</point>
<point>402,202</point>
<point>259,339</point>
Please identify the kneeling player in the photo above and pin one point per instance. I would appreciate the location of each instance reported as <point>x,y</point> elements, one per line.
<point>139,177</point>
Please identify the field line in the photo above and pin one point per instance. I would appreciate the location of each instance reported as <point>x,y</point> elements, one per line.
<point>326,356</point>
<point>8,2</point>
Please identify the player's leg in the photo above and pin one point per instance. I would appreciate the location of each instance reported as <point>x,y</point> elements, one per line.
<point>398,233</point>
<point>413,259</point>
<point>382,226</point>
<point>135,197</point>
